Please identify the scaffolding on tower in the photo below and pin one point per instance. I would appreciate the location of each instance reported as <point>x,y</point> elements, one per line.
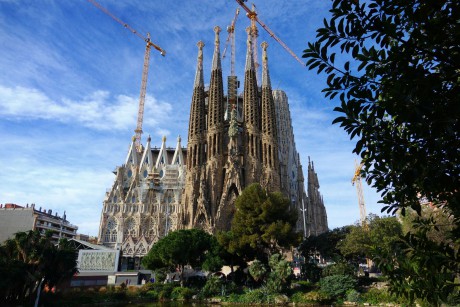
<point>232,80</point>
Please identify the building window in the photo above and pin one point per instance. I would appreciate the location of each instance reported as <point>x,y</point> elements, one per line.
<point>111,231</point>
<point>130,227</point>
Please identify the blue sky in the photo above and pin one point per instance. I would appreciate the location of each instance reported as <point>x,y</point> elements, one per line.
<point>69,87</point>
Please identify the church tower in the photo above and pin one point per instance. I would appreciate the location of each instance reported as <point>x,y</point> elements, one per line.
<point>269,147</point>
<point>196,149</point>
<point>231,147</point>
<point>251,118</point>
<point>215,133</point>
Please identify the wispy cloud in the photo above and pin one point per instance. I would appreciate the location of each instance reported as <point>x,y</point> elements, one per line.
<point>98,110</point>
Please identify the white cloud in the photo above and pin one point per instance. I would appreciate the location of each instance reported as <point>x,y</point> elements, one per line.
<point>98,110</point>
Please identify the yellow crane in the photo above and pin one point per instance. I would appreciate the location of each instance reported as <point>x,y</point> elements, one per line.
<point>145,71</point>
<point>252,15</point>
<point>359,189</point>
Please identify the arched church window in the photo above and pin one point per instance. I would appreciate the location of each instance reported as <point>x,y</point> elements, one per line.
<point>130,227</point>
<point>111,231</point>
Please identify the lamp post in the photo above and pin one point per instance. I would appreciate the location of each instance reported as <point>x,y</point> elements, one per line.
<point>303,210</point>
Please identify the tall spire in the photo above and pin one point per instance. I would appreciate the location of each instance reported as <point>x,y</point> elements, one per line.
<point>197,122</point>
<point>251,103</point>
<point>249,57</point>
<point>265,75</point>
<point>199,80</point>
<point>216,58</point>
<point>216,101</point>
<point>270,154</point>
<point>268,104</point>
<point>197,109</point>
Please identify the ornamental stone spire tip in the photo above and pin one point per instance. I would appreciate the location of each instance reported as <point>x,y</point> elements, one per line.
<point>265,75</point>
<point>216,57</point>
<point>249,59</point>
<point>199,79</point>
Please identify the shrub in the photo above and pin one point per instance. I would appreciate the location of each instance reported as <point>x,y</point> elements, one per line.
<point>298,297</point>
<point>152,295</point>
<point>256,296</point>
<point>213,287</point>
<point>257,270</point>
<point>353,296</point>
<point>340,268</point>
<point>103,290</point>
<point>376,296</point>
<point>165,290</point>
<point>337,285</point>
<point>317,297</point>
<point>179,293</point>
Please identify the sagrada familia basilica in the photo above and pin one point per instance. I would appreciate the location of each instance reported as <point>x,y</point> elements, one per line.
<point>234,140</point>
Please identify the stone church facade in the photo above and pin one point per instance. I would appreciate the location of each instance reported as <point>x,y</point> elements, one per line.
<point>233,140</point>
<point>239,139</point>
<point>145,200</point>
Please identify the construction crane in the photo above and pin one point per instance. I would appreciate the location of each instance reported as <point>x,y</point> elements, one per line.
<point>231,40</point>
<point>253,17</point>
<point>359,188</point>
<point>145,71</point>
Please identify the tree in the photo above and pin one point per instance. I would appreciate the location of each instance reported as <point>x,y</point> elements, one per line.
<point>421,267</point>
<point>263,224</point>
<point>183,247</point>
<point>381,232</point>
<point>399,92</point>
<point>29,261</point>
<point>257,270</point>
<point>325,244</point>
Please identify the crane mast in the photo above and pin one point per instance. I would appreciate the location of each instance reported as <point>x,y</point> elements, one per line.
<point>253,16</point>
<point>145,70</point>
<point>231,40</point>
<point>359,189</point>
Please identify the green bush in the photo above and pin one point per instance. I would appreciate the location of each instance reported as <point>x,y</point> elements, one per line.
<point>256,296</point>
<point>337,285</point>
<point>298,297</point>
<point>213,287</point>
<point>317,297</point>
<point>152,295</point>
<point>376,296</point>
<point>158,291</point>
<point>313,297</point>
<point>261,295</point>
<point>339,268</point>
<point>353,296</point>
<point>180,293</point>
